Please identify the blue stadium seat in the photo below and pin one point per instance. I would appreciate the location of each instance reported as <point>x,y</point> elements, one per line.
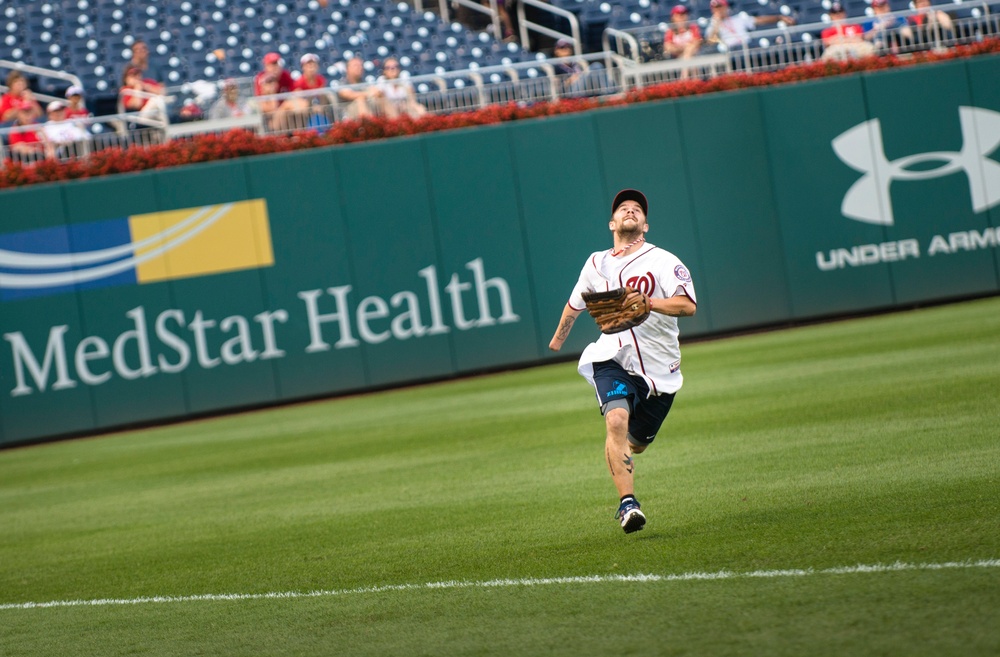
<point>181,34</point>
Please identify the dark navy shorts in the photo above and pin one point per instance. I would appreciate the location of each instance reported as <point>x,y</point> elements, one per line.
<point>616,388</point>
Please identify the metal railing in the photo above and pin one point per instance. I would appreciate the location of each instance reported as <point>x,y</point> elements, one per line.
<point>527,26</point>
<point>493,11</point>
<point>443,93</point>
<point>639,50</point>
<point>77,138</point>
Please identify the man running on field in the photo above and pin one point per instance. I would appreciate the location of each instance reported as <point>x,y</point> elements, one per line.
<point>636,372</point>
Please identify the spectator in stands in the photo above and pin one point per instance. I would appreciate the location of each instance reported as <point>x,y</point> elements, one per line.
<point>843,40</point>
<point>930,26</point>
<point>76,108</point>
<point>230,103</point>
<point>17,94</point>
<point>295,112</point>
<point>734,31</point>
<point>506,22</point>
<point>142,96</point>
<point>266,104</point>
<point>151,76</point>
<point>683,38</point>
<point>575,77</point>
<point>884,31</point>
<point>63,134</point>
<point>360,100</point>
<point>398,97</point>
<point>27,144</point>
<point>273,68</point>
<point>311,78</point>
<point>570,71</point>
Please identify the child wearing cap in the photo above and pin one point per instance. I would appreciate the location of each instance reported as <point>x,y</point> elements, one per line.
<point>59,130</point>
<point>273,68</point>
<point>293,113</point>
<point>683,38</point>
<point>75,107</point>
<point>311,78</point>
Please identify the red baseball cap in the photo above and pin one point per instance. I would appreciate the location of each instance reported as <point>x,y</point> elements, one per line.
<point>679,9</point>
<point>630,195</point>
<point>272,58</point>
<point>718,3</point>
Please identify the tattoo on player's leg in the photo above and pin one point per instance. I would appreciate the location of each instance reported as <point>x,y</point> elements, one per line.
<point>628,463</point>
<point>607,455</point>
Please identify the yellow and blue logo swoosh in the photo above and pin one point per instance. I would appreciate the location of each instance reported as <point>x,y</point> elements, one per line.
<point>142,248</point>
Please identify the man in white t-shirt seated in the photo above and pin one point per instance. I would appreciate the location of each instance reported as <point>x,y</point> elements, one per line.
<point>61,132</point>
<point>734,30</point>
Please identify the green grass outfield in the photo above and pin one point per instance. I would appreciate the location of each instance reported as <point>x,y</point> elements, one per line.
<point>790,459</point>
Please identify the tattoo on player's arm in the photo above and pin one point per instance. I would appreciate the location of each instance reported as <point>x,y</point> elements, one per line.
<point>564,328</point>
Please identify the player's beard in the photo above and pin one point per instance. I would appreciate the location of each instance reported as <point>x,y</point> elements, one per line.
<point>626,235</point>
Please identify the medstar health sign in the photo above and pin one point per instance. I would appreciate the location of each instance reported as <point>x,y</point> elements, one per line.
<point>135,250</point>
<point>139,249</point>
<point>196,242</point>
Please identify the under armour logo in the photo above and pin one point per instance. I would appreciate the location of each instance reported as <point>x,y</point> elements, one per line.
<point>861,148</point>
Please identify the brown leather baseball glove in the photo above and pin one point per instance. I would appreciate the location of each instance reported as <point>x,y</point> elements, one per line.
<point>617,310</point>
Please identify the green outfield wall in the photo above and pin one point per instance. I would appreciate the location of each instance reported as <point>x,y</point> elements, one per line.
<point>160,295</point>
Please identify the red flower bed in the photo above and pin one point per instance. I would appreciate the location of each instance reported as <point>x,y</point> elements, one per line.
<point>239,143</point>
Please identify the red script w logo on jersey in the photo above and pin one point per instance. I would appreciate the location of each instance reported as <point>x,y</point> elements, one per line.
<point>645,283</point>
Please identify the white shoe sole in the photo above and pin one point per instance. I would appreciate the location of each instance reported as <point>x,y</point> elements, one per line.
<point>633,521</point>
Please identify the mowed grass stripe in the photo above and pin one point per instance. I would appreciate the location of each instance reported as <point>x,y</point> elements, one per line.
<point>868,441</point>
<point>504,583</point>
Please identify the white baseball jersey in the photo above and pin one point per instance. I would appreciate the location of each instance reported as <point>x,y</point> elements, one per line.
<point>650,350</point>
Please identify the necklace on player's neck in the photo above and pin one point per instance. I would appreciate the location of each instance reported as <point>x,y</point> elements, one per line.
<point>627,246</point>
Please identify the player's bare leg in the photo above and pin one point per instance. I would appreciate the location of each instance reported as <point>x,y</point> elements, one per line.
<point>618,453</point>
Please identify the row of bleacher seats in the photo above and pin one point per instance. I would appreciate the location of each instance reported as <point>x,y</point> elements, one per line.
<point>213,39</point>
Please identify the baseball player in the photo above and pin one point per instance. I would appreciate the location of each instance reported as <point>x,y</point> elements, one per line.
<point>637,371</point>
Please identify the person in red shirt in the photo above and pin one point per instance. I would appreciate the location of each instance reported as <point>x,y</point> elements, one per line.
<point>151,76</point>
<point>844,40</point>
<point>294,112</point>
<point>929,25</point>
<point>310,78</point>
<point>139,95</point>
<point>17,93</point>
<point>273,68</point>
<point>683,38</point>
<point>27,145</point>
<point>76,108</point>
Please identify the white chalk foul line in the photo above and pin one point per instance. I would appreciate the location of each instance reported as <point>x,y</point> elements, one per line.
<point>505,583</point>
